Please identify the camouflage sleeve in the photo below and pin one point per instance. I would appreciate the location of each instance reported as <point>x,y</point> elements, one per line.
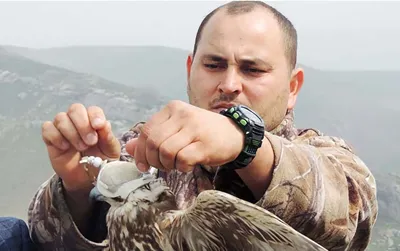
<point>323,190</point>
<point>50,224</point>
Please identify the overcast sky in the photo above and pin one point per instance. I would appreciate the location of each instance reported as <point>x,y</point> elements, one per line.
<point>332,35</point>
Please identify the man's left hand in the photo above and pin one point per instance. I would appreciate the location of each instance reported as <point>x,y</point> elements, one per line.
<point>182,135</point>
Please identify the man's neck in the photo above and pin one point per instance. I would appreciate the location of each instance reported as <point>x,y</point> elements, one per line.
<point>286,128</point>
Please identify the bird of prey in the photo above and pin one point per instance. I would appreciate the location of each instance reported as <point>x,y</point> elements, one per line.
<point>143,215</point>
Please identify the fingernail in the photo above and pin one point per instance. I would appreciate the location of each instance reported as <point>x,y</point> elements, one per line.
<point>98,122</point>
<point>142,167</point>
<point>91,138</point>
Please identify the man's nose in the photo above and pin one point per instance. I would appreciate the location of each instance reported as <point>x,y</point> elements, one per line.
<point>231,82</point>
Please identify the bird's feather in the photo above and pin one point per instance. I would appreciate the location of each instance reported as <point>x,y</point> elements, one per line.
<point>219,221</point>
<point>144,215</point>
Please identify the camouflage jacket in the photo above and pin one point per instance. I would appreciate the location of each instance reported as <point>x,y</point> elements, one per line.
<point>319,187</point>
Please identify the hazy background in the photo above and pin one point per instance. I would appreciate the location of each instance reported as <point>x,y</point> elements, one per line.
<point>129,58</point>
<point>343,35</point>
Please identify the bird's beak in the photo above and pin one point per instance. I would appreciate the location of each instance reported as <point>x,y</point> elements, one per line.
<point>96,195</point>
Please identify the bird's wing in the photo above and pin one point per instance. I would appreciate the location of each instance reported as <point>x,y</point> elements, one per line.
<point>219,221</point>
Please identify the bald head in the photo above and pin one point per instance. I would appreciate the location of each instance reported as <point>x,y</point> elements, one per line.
<point>242,7</point>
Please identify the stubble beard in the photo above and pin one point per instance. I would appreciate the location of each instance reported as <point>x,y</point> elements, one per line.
<point>272,113</point>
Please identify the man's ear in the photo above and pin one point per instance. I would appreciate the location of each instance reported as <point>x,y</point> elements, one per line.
<point>189,62</point>
<point>296,82</point>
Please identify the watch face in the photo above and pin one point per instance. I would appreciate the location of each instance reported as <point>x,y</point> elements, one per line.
<point>251,115</point>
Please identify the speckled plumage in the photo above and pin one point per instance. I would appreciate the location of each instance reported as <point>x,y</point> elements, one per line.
<point>320,187</point>
<point>149,219</point>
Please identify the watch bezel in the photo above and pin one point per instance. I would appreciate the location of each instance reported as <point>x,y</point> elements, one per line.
<point>247,109</point>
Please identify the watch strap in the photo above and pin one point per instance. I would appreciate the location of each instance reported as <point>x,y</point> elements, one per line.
<point>253,133</point>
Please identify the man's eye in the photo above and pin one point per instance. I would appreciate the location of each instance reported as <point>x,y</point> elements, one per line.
<point>211,66</point>
<point>253,70</point>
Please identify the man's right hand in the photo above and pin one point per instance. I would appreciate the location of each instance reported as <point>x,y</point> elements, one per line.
<point>79,130</point>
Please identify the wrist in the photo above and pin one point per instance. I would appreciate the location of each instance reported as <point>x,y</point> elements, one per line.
<point>77,200</point>
<point>78,189</point>
<point>239,140</point>
<point>252,127</point>
<point>258,174</point>
<point>79,206</point>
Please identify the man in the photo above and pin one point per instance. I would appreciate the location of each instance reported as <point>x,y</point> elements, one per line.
<point>14,235</point>
<point>245,53</point>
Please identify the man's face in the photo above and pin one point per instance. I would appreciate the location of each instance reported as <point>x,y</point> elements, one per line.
<point>241,59</point>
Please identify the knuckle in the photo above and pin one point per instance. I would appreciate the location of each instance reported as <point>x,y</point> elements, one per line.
<point>95,110</point>
<point>174,104</point>
<point>181,159</point>
<point>152,143</point>
<point>179,108</point>
<point>46,126</point>
<point>182,113</point>
<point>59,118</point>
<point>75,107</point>
<point>145,130</point>
<point>166,153</point>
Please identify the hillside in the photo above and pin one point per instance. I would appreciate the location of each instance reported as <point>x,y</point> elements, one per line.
<point>358,106</point>
<point>139,66</point>
<point>349,104</point>
<point>36,84</point>
<point>31,93</point>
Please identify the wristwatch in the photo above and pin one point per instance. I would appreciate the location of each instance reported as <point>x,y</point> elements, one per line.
<point>253,127</point>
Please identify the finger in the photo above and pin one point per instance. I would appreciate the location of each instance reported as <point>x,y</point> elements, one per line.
<point>96,117</point>
<point>190,156</point>
<point>108,143</point>
<point>51,136</point>
<point>65,126</point>
<point>130,146</point>
<point>140,154</point>
<point>170,148</point>
<point>155,120</point>
<point>146,130</point>
<point>158,135</point>
<point>79,117</point>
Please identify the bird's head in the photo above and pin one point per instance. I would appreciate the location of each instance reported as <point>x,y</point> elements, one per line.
<point>137,200</point>
<point>119,182</point>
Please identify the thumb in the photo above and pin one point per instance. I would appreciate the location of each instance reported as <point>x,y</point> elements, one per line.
<point>131,146</point>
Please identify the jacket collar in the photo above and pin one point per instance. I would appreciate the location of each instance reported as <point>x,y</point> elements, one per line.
<point>286,128</point>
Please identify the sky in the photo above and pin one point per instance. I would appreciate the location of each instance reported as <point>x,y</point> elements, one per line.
<point>333,35</point>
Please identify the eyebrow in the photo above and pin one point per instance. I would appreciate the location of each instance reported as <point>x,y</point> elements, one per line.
<point>213,57</point>
<point>247,61</point>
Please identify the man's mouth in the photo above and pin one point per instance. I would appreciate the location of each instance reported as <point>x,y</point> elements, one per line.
<point>221,106</point>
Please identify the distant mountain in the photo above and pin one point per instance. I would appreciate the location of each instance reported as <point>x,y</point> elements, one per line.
<point>156,67</point>
<point>130,83</point>
<point>355,105</point>
<point>361,107</point>
<point>33,92</point>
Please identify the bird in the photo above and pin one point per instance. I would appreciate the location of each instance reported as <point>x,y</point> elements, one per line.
<point>144,216</point>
